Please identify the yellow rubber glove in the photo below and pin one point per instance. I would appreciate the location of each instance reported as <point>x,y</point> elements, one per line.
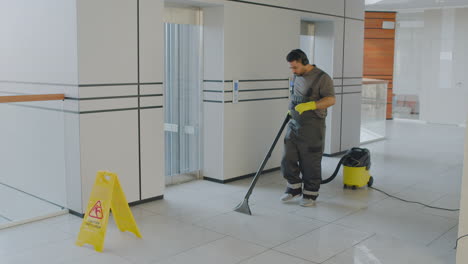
<point>301,108</point>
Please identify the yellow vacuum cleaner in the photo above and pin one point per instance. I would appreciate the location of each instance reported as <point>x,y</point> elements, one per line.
<point>356,165</point>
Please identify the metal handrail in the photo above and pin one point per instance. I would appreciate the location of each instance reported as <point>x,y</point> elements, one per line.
<point>31,98</point>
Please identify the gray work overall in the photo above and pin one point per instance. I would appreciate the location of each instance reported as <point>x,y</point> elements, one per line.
<point>303,147</point>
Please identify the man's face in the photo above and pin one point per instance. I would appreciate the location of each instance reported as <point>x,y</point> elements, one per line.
<point>297,68</point>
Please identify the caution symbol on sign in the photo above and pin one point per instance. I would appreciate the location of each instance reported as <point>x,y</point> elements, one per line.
<point>96,211</point>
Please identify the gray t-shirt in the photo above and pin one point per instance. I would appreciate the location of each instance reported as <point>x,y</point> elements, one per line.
<point>323,88</point>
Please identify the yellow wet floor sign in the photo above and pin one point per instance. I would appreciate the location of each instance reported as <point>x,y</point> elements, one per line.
<point>107,194</point>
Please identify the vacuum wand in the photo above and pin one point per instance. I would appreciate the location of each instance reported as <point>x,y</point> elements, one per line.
<point>243,207</point>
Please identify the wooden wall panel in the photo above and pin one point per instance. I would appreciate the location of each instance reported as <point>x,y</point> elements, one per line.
<point>373,23</point>
<point>389,95</point>
<point>378,57</point>
<point>379,48</point>
<point>371,33</point>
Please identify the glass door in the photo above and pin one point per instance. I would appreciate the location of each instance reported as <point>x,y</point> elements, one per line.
<point>182,101</point>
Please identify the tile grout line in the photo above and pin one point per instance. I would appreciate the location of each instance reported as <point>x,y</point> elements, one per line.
<point>294,256</point>
<point>251,257</point>
<point>300,236</point>
<point>367,238</point>
<point>186,250</point>
<point>6,218</point>
<point>441,235</point>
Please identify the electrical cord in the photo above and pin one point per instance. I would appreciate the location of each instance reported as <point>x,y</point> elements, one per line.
<point>456,243</point>
<point>429,206</point>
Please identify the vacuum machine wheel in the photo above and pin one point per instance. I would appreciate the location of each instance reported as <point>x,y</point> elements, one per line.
<point>371,181</point>
<point>352,187</point>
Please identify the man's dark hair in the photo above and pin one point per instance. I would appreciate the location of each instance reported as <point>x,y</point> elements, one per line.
<point>297,55</point>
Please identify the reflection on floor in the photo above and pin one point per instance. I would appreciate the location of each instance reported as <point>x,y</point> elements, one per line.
<point>195,222</point>
<point>17,206</point>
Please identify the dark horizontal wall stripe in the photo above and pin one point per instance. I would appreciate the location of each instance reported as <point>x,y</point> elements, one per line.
<point>107,84</point>
<point>249,80</point>
<point>112,97</point>
<point>212,91</point>
<point>102,98</point>
<point>152,83</point>
<point>151,107</point>
<point>151,95</point>
<point>293,9</point>
<point>247,90</point>
<point>352,93</point>
<point>91,111</point>
<point>259,90</point>
<point>348,77</point>
<point>217,91</point>
<point>120,109</point>
<point>108,110</point>
<point>263,99</point>
<point>247,100</point>
<point>118,84</point>
<point>349,93</point>
<point>214,81</point>
<point>264,80</point>
<point>379,75</point>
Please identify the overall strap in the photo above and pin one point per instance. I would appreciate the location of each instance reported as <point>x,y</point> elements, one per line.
<point>309,92</point>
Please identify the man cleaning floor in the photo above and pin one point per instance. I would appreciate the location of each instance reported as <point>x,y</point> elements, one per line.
<point>312,93</point>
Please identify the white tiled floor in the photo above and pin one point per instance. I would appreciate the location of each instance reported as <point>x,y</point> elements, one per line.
<point>195,223</point>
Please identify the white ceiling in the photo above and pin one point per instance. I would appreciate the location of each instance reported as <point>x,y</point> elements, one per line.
<point>391,5</point>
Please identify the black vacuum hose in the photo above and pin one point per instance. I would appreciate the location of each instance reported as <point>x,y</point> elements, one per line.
<point>329,179</point>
